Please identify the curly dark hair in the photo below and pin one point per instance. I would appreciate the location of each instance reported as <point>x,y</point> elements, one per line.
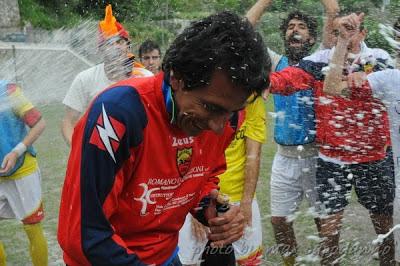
<point>222,41</point>
<point>310,21</point>
<point>148,46</point>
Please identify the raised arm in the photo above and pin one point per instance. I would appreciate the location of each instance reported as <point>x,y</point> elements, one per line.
<point>349,26</point>
<point>255,12</point>
<point>328,35</point>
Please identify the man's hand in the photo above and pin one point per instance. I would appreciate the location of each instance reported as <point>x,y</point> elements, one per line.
<point>9,162</point>
<point>356,79</point>
<point>199,230</point>
<point>245,208</point>
<point>350,25</point>
<point>331,6</point>
<point>227,227</point>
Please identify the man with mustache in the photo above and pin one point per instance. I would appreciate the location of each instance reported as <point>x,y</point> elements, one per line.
<point>293,169</point>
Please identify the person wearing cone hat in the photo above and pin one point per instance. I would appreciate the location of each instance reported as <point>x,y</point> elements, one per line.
<point>118,64</point>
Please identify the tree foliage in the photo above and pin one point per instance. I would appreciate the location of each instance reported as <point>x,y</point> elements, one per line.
<point>146,18</point>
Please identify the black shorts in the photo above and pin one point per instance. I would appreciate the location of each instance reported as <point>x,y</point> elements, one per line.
<point>373,182</point>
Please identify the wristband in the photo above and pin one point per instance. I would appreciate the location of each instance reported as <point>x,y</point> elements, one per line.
<point>20,149</point>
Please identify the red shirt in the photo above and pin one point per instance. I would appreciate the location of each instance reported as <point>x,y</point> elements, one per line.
<point>132,178</point>
<point>353,129</point>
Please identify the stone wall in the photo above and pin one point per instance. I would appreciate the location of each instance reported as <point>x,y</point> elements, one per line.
<point>9,14</point>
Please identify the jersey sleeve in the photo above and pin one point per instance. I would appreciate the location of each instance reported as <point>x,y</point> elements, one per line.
<point>112,131</point>
<point>256,128</point>
<point>75,95</point>
<point>290,80</point>
<point>22,107</point>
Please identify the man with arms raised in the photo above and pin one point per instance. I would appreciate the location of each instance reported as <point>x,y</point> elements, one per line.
<point>293,168</point>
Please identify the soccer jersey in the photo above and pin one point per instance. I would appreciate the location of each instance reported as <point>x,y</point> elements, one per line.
<point>16,113</point>
<point>132,177</point>
<point>343,131</point>
<point>352,129</point>
<point>253,127</point>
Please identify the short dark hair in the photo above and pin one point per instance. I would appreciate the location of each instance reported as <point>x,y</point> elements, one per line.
<point>148,46</point>
<point>310,21</point>
<point>222,41</point>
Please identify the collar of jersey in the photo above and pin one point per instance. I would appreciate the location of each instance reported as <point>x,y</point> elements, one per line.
<point>169,100</point>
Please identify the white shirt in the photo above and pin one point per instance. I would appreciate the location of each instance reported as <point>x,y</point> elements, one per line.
<point>85,87</point>
<point>89,83</point>
<point>275,58</point>
<point>385,86</point>
<point>366,55</point>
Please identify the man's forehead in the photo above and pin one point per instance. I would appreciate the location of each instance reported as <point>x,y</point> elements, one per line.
<point>297,21</point>
<point>151,51</point>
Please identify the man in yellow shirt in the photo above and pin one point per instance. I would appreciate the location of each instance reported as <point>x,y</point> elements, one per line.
<point>239,183</point>
<point>20,191</point>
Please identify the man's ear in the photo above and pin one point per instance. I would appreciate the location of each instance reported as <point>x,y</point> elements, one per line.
<point>312,40</point>
<point>176,83</point>
<point>364,33</point>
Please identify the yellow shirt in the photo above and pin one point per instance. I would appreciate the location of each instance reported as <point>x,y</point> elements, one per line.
<point>21,105</point>
<point>253,127</point>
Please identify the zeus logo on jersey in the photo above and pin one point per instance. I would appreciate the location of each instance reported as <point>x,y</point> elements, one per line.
<point>107,133</point>
<point>181,141</point>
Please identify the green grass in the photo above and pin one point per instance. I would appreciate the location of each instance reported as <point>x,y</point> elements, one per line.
<point>41,17</point>
<point>53,155</point>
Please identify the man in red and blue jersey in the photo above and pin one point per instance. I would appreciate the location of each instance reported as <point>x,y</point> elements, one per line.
<point>147,151</point>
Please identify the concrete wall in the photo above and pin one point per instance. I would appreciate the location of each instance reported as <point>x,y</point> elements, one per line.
<point>44,72</point>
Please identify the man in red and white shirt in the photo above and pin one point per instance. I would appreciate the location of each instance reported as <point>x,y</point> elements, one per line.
<point>353,135</point>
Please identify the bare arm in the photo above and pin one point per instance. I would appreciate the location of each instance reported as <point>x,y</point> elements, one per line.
<point>252,169</point>
<point>34,133</point>
<point>69,121</point>
<point>331,10</point>
<point>255,12</point>
<point>10,159</point>
<point>333,84</point>
<point>349,26</point>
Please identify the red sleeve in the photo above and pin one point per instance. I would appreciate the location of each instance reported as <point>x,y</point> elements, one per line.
<point>363,92</point>
<point>290,80</point>
<point>32,117</point>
